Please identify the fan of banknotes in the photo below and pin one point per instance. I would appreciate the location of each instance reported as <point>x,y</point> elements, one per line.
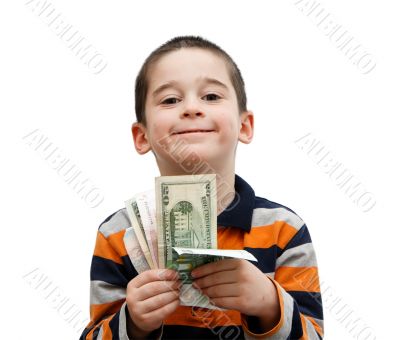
<point>175,226</point>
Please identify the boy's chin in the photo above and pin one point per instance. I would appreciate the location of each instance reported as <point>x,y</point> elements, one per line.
<point>198,160</point>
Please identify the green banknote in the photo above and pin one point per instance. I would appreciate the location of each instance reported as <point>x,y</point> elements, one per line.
<point>186,210</point>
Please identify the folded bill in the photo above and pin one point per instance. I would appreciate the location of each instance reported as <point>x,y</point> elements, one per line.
<point>237,253</point>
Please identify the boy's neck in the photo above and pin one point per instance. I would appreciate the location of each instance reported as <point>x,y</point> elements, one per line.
<point>225,190</point>
<point>225,183</point>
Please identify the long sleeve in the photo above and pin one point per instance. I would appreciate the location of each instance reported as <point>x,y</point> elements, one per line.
<point>108,281</point>
<point>111,270</point>
<point>297,283</point>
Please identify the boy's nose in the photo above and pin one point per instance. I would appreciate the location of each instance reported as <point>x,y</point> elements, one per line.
<point>188,114</point>
<point>192,109</point>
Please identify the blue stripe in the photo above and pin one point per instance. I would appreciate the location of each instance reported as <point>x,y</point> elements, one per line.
<point>85,333</point>
<point>266,257</point>
<point>108,271</point>
<point>309,303</point>
<point>301,237</point>
<point>261,202</point>
<point>130,269</point>
<point>96,332</point>
<point>297,329</point>
<point>190,332</point>
<point>114,325</point>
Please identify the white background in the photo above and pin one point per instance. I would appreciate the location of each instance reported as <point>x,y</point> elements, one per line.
<point>297,82</point>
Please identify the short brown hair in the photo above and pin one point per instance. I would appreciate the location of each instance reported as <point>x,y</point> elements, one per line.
<point>141,85</point>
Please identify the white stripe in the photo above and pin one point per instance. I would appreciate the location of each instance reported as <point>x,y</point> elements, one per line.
<point>300,256</point>
<point>286,328</point>
<point>319,322</point>
<point>312,333</point>
<point>103,292</point>
<point>100,334</point>
<point>265,216</point>
<point>116,223</point>
<point>123,335</point>
<point>122,323</point>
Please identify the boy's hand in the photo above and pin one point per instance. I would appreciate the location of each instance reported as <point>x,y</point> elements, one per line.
<point>238,284</point>
<point>151,296</point>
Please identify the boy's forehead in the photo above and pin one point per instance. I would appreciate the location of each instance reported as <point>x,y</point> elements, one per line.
<point>189,65</point>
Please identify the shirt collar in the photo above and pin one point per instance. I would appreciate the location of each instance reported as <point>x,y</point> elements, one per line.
<point>239,212</point>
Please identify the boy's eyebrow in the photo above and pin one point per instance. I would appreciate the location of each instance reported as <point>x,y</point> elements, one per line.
<point>174,83</point>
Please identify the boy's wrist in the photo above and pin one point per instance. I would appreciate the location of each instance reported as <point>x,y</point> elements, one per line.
<point>132,330</point>
<point>269,321</point>
<point>260,324</point>
<point>269,315</point>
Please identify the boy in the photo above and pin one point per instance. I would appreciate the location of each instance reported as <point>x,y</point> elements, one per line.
<point>191,113</point>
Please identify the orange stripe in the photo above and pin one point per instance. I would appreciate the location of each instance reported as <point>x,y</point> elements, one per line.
<point>117,242</point>
<point>298,278</point>
<point>104,249</point>
<point>304,326</point>
<point>97,311</point>
<point>107,333</point>
<point>89,336</point>
<point>203,317</point>
<point>230,238</point>
<point>279,233</point>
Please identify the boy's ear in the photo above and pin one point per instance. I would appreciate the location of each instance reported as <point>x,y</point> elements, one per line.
<point>139,134</point>
<point>246,127</point>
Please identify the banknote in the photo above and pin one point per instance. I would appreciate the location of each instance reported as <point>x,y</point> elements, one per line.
<point>192,297</point>
<point>147,210</point>
<point>134,251</point>
<point>219,253</point>
<point>175,226</point>
<point>186,217</point>
<point>136,222</point>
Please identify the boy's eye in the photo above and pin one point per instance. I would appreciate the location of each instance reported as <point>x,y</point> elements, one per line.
<point>212,96</point>
<point>171,100</point>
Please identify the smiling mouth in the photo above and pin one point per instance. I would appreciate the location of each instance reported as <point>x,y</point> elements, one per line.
<point>192,131</point>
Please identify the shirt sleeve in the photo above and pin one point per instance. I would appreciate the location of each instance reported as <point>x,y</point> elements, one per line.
<point>297,282</point>
<point>111,270</point>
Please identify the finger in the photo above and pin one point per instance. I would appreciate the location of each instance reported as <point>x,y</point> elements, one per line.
<point>228,276</point>
<point>221,265</point>
<point>154,275</point>
<point>157,287</point>
<point>161,313</point>
<point>158,301</point>
<point>225,290</point>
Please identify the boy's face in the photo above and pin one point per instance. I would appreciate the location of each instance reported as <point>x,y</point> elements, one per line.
<point>191,108</point>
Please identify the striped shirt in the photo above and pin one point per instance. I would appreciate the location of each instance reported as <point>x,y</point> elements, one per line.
<point>273,233</point>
